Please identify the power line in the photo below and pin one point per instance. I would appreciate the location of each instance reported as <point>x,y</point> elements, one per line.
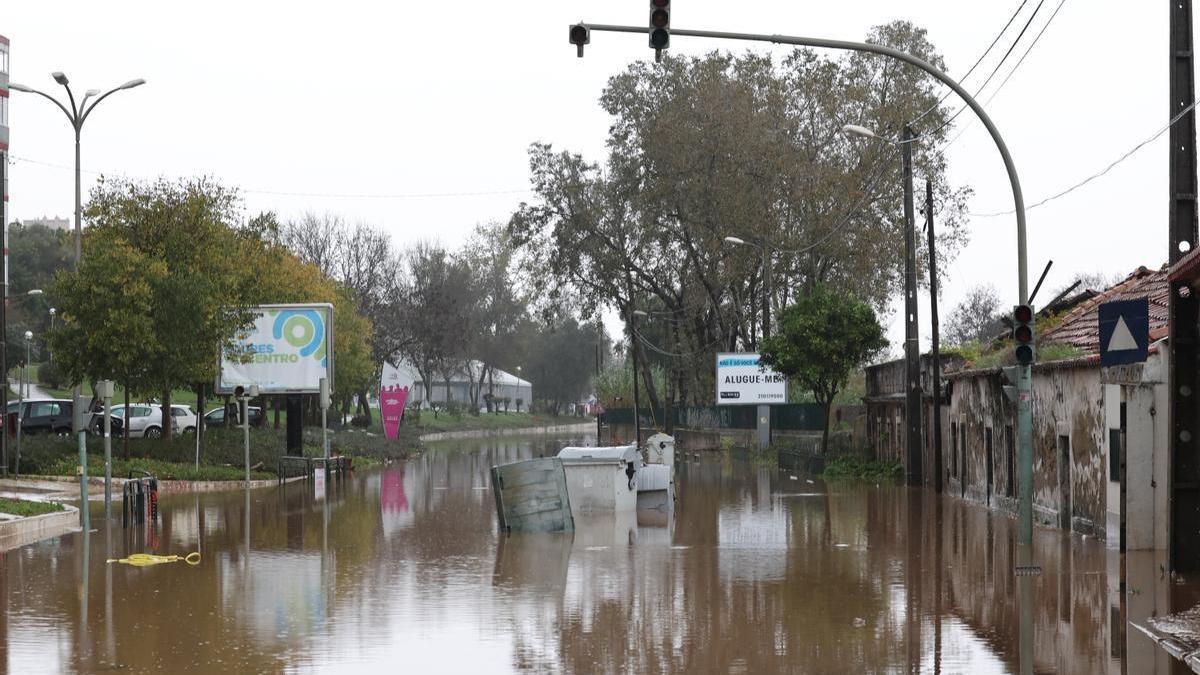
<point>978,61</point>
<point>1102,172</point>
<point>995,70</point>
<point>320,195</point>
<point>1007,77</point>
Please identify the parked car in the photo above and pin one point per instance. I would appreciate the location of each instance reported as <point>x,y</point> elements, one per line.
<point>96,425</point>
<point>216,417</point>
<point>144,420</point>
<point>45,415</point>
<point>184,419</point>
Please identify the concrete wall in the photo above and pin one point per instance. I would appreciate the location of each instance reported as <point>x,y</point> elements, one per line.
<point>1069,415</point>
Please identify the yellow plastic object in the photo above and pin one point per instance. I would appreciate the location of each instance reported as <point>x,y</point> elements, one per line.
<point>146,559</point>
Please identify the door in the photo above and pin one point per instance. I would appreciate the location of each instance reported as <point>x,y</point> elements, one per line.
<point>987,444</point>
<point>1064,482</point>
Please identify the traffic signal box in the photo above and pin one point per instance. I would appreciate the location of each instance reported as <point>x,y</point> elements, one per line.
<point>1023,334</point>
<point>660,24</point>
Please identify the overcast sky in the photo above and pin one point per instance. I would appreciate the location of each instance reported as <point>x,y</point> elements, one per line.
<point>429,109</point>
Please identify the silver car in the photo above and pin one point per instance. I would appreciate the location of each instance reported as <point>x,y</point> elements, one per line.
<point>145,419</point>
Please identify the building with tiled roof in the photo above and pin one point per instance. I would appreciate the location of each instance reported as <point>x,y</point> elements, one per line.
<point>1080,327</point>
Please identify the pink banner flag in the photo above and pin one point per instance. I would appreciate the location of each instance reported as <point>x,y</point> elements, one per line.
<point>391,407</point>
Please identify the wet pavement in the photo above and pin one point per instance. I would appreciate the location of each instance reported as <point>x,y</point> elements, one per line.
<point>400,569</point>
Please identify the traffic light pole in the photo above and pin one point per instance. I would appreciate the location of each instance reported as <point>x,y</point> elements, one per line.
<point>1025,379</point>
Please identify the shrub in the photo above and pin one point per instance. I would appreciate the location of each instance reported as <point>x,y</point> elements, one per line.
<point>851,466</point>
<point>51,375</point>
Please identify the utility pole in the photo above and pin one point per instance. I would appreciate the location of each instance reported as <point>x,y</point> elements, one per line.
<point>912,347</point>
<point>764,411</point>
<point>1184,306</point>
<point>637,419</point>
<point>934,341</point>
<point>4,429</point>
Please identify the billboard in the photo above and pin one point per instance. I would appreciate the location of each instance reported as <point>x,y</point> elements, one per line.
<point>742,381</point>
<point>286,350</point>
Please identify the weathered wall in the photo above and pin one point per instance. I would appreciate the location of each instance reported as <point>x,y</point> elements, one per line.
<point>1067,402</point>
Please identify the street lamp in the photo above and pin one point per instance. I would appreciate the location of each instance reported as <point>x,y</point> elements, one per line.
<point>53,313</point>
<point>766,266</point>
<point>912,346</point>
<point>77,114</point>
<point>4,369</point>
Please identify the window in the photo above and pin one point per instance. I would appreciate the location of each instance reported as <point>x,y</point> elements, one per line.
<point>178,412</point>
<point>1114,455</point>
<point>141,411</point>
<point>953,449</point>
<point>1010,460</point>
<point>44,409</point>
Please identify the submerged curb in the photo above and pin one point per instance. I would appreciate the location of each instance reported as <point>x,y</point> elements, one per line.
<point>508,431</point>
<point>24,531</point>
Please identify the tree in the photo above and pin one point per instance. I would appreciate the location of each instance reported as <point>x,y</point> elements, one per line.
<point>701,148</point>
<point>175,242</point>
<point>499,312</point>
<point>36,254</point>
<point>107,312</point>
<point>560,362</point>
<point>439,306</point>
<point>822,338</point>
<point>974,317</point>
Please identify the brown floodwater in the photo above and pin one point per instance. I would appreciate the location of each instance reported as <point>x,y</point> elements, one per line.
<point>401,569</point>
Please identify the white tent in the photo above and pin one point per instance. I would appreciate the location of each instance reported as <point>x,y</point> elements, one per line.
<point>500,384</point>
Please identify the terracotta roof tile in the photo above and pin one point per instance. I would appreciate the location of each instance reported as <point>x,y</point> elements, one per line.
<point>1081,326</point>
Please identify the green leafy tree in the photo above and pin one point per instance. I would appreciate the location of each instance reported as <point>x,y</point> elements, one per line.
<point>178,243</point>
<point>822,338</point>
<point>705,147</point>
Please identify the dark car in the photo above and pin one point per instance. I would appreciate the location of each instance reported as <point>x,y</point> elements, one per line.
<point>44,416</point>
<point>96,426</point>
<point>216,417</point>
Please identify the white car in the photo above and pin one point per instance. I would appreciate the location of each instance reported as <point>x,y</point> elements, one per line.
<point>145,419</point>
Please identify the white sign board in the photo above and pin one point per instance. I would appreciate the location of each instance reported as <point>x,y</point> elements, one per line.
<point>287,350</point>
<point>741,381</point>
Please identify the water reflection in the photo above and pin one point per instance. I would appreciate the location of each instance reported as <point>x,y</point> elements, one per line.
<point>402,569</point>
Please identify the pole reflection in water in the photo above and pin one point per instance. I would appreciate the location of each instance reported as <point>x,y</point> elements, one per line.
<point>402,567</point>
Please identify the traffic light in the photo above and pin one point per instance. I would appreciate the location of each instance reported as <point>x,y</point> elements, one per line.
<point>580,36</point>
<point>660,24</point>
<point>1023,335</point>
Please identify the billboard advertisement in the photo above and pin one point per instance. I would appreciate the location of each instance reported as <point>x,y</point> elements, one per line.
<point>286,350</point>
<point>742,381</point>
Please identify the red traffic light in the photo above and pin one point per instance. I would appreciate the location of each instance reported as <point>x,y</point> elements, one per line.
<point>579,34</point>
<point>660,3</point>
<point>1023,314</point>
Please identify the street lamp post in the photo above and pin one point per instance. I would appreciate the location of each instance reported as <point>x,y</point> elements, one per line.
<point>764,411</point>
<point>4,369</point>
<point>21,399</point>
<point>53,313</point>
<point>77,114</point>
<point>912,346</point>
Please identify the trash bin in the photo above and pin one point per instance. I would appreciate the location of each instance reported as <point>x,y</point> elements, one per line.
<point>660,449</point>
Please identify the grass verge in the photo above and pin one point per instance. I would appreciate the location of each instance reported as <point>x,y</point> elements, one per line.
<point>25,508</point>
<point>856,468</point>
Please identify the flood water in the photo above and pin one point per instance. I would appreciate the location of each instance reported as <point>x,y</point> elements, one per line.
<point>401,569</point>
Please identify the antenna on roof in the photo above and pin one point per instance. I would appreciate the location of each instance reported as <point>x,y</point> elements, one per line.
<point>1040,280</point>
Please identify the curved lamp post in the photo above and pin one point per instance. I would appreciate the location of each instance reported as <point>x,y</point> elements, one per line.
<point>77,114</point>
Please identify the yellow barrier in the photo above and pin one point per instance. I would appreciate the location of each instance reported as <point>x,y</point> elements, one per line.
<point>146,559</point>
